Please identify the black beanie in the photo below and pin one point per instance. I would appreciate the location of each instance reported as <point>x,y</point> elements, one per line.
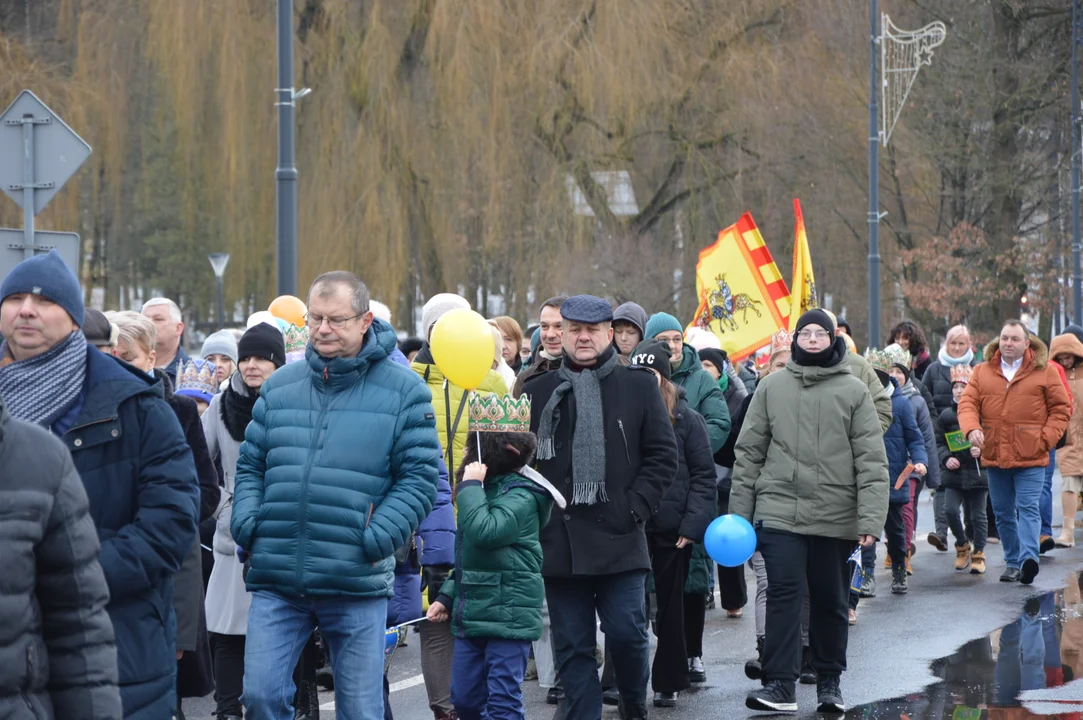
<point>816,317</point>
<point>263,341</point>
<point>654,355</point>
<point>715,357</point>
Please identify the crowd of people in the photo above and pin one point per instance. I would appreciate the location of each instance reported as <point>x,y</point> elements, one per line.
<point>250,521</point>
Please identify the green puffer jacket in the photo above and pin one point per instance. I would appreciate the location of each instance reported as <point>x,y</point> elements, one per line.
<point>881,398</point>
<point>704,396</point>
<point>496,589</point>
<point>810,456</point>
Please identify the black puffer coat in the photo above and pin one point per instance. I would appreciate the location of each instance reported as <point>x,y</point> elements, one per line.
<point>969,476</point>
<point>57,653</point>
<point>688,505</point>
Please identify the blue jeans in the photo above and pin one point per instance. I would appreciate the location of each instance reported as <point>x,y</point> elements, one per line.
<point>486,678</point>
<point>1019,664</point>
<point>279,626</point>
<point>1016,496</point>
<point>1047,495</point>
<point>620,602</point>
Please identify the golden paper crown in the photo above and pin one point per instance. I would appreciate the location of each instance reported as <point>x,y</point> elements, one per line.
<point>897,355</point>
<point>961,373</point>
<point>878,359</point>
<point>493,413</point>
<point>781,341</point>
<point>197,377</point>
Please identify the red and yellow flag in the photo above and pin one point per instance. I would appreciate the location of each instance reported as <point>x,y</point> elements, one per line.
<point>803,281</point>
<point>743,299</point>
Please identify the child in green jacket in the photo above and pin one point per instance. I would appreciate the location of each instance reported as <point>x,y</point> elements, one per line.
<point>494,595</point>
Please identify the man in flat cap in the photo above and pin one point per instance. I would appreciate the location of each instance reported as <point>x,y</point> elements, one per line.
<point>606,442</point>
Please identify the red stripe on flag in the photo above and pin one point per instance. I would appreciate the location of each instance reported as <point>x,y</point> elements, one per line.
<point>761,256</point>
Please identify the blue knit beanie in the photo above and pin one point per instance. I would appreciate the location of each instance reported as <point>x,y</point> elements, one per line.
<point>47,275</point>
<point>660,323</point>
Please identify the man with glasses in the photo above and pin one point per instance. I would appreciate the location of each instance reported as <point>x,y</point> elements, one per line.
<point>338,468</point>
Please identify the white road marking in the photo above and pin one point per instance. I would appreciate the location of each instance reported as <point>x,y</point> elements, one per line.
<point>394,687</point>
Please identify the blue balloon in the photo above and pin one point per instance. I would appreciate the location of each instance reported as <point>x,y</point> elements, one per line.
<point>730,540</point>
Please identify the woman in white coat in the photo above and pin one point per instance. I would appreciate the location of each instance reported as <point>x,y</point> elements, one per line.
<point>224,423</point>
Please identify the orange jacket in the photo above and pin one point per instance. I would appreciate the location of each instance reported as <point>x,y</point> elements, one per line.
<point>1022,420</point>
<point>1070,457</point>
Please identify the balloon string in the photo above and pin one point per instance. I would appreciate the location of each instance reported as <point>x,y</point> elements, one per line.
<point>477,436</point>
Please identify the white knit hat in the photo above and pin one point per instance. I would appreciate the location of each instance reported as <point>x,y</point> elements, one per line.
<point>381,311</point>
<point>700,339</point>
<point>438,306</point>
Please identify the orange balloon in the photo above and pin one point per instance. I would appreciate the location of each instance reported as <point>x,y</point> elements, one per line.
<point>289,308</point>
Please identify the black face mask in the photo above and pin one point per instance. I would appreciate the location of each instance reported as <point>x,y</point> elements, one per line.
<point>828,357</point>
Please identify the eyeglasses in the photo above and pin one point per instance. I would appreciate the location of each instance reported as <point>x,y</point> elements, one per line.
<point>314,321</point>
<point>809,334</point>
<point>676,341</point>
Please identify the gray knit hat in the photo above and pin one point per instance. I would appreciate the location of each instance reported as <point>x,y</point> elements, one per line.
<point>223,342</point>
<point>438,306</point>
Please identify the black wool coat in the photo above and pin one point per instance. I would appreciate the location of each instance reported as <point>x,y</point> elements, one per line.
<point>640,461</point>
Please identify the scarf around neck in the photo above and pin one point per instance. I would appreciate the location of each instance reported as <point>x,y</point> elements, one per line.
<point>42,388</point>
<point>588,438</point>
<point>949,361</point>
<point>830,356</point>
<point>237,408</point>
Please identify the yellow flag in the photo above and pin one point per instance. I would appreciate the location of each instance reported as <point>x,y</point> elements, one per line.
<point>743,299</point>
<point>803,280</point>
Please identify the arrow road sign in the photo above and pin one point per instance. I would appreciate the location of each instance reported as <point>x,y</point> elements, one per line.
<point>55,151</point>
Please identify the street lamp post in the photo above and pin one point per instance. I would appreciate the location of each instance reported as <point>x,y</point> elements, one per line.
<point>286,172</point>
<point>218,264</point>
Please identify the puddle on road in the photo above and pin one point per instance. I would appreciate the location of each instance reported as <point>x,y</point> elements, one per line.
<point>1029,669</point>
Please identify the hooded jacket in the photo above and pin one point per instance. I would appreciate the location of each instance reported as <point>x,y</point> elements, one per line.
<point>142,486</point>
<point>496,589</point>
<point>904,442</point>
<point>630,312</point>
<point>338,468</point>
<point>1021,420</point>
<point>704,396</point>
<point>923,416</point>
<point>1070,457</point>
<point>58,658</point>
<point>810,458</point>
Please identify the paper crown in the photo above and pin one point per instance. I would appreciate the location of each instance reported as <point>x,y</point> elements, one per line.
<point>878,359</point>
<point>897,355</point>
<point>961,373</point>
<point>197,379</point>
<point>781,341</point>
<point>493,413</point>
<point>296,338</point>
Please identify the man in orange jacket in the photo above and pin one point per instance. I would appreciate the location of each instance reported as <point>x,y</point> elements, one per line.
<point>1015,410</point>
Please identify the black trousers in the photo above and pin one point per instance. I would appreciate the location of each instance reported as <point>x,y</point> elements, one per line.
<point>732,589</point>
<point>695,617</point>
<point>669,672</point>
<point>895,529</point>
<point>228,674</point>
<point>792,561</point>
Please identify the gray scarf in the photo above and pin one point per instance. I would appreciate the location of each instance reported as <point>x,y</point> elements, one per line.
<point>42,388</point>
<point>588,439</point>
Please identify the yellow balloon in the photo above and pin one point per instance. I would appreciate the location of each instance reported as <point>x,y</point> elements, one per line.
<point>463,347</point>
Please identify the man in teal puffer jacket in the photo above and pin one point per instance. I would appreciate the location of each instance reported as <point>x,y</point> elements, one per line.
<point>338,468</point>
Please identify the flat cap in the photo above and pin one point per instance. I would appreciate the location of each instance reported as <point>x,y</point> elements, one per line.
<point>98,330</point>
<point>586,309</point>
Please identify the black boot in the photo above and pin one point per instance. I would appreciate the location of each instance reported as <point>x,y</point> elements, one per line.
<point>308,701</point>
<point>754,667</point>
<point>808,673</point>
<point>898,579</point>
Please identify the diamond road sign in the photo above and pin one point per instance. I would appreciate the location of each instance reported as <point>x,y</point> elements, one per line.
<point>57,150</point>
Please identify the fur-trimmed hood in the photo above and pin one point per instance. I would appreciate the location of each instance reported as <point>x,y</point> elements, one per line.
<point>1067,343</point>
<point>1038,351</point>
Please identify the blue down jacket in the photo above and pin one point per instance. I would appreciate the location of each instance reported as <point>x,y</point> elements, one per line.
<point>338,468</point>
<point>904,443</point>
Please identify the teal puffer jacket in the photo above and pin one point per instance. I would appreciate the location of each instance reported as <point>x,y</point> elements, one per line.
<point>338,468</point>
<point>704,396</point>
<point>496,589</point>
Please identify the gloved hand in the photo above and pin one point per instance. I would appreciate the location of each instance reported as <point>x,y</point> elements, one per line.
<point>242,554</point>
